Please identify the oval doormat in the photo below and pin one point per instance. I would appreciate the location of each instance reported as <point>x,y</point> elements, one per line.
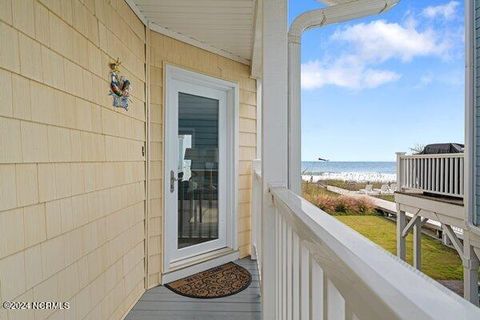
<point>217,282</point>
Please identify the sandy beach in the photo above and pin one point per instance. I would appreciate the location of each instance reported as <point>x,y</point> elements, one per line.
<point>352,176</point>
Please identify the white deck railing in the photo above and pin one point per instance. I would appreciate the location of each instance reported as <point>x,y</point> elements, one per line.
<point>441,174</point>
<point>322,269</point>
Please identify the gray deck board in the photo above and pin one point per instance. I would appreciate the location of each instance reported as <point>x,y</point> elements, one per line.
<point>160,303</point>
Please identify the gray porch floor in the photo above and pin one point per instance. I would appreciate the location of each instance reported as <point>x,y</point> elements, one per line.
<point>160,303</point>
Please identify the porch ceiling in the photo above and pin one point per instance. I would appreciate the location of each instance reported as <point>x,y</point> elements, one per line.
<point>222,26</point>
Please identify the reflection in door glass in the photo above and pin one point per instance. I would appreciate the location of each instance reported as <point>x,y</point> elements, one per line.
<point>198,169</point>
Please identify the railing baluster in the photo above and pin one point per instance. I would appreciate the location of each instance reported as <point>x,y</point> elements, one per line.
<point>335,303</point>
<point>419,174</point>
<point>434,174</point>
<point>407,173</point>
<point>420,162</point>
<point>425,177</point>
<point>317,297</point>
<point>304,283</point>
<point>442,176</point>
<point>456,166</point>
<point>447,175</point>
<point>278,222</point>
<point>451,173</point>
<point>284,269</point>
<point>462,186</point>
<point>415,169</point>
<point>296,276</point>
<point>289,264</point>
<point>430,177</point>
<point>411,174</point>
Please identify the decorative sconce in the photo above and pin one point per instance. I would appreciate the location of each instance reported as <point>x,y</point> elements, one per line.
<point>119,86</point>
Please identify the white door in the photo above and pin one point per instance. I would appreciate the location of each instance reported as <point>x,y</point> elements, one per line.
<point>195,170</point>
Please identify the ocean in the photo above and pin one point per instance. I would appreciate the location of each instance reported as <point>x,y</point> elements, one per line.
<point>349,171</point>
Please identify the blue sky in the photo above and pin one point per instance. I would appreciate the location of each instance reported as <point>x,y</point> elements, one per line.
<point>383,84</point>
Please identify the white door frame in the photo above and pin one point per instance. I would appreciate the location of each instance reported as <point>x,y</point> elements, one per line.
<point>227,93</point>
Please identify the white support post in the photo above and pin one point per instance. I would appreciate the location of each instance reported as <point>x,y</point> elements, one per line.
<point>401,222</point>
<point>274,139</point>
<point>471,258</point>
<point>470,158</point>
<point>417,244</point>
<point>470,271</point>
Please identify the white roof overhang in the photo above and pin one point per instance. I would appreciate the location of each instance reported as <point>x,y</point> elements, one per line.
<point>222,27</point>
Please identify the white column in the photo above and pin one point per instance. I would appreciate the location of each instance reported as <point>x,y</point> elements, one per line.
<point>470,261</point>
<point>274,137</point>
<point>470,157</point>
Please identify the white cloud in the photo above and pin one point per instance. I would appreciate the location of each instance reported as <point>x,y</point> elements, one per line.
<point>381,40</point>
<point>317,74</point>
<point>425,80</point>
<point>368,45</point>
<point>446,11</point>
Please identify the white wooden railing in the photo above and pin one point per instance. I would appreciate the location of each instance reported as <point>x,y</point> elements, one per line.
<point>441,174</point>
<point>321,269</point>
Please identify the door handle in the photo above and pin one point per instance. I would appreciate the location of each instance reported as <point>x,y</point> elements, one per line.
<point>172,181</point>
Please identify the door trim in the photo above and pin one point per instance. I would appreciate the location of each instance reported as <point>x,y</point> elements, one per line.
<point>172,74</point>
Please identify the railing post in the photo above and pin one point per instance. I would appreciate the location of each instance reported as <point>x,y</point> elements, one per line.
<point>256,208</point>
<point>400,170</point>
<point>401,217</point>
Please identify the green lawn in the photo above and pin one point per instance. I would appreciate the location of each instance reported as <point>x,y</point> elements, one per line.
<point>388,197</point>
<point>438,261</point>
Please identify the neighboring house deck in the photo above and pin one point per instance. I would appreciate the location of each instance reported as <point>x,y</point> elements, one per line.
<point>160,303</point>
<point>431,189</point>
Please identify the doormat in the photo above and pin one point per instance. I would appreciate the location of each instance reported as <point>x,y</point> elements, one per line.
<point>218,282</point>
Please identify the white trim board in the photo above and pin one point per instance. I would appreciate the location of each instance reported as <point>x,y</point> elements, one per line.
<point>184,38</point>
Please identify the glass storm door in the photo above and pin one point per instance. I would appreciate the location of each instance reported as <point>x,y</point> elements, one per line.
<point>195,170</point>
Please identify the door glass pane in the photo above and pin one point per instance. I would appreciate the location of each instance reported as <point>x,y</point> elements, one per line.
<point>197,169</point>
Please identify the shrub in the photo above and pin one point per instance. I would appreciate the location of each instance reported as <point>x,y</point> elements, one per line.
<point>344,205</point>
<point>336,204</point>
